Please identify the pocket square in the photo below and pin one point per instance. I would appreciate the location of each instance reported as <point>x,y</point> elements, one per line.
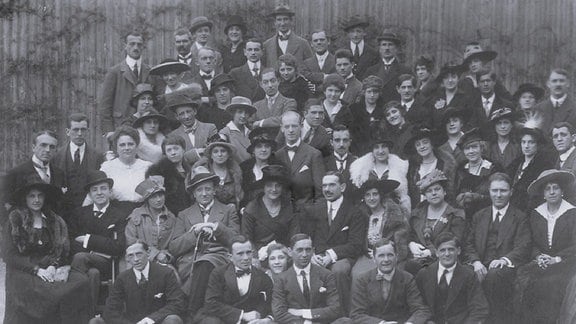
<point>304,168</point>
<point>345,228</point>
<point>112,226</point>
<point>322,290</point>
<point>158,295</point>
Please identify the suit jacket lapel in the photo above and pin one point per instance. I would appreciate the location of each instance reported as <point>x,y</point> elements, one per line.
<point>432,285</point>
<point>293,281</point>
<point>338,220</point>
<point>291,47</point>
<point>232,282</point>
<point>216,213</point>
<point>298,159</point>
<point>505,226</point>
<point>455,285</point>
<point>127,73</point>
<point>484,226</point>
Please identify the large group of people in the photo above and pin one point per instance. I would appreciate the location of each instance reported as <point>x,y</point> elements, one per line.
<point>276,182</point>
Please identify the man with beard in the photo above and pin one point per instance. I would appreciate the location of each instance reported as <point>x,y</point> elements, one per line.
<point>246,77</point>
<point>560,106</point>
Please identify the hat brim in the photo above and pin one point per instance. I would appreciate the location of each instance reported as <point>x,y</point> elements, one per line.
<point>512,116</point>
<point>285,12</point>
<point>156,190</point>
<point>134,99</point>
<point>357,24</point>
<point>394,40</point>
<point>457,112</point>
<point>536,91</point>
<point>228,146</point>
<point>252,146</point>
<point>409,148</point>
<point>90,184</point>
<point>190,104</point>
<point>284,181</point>
<point>458,69</point>
<point>211,178</point>
<point>231,109</point>
<point>161,119</point>
<point>169,67</point>
<point>242,27</point>
<point>484,56</point>
<point>561,177</point>
<point>384,187</point>
<point>50,191</point>
<point>537,134</point>
<point>202,24</point>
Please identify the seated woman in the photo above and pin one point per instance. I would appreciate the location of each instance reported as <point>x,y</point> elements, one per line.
<point>431,218</point>
<point>452,124</point>
<point>170,70</point>
<point>126,170</point>
<point>173,169</point>
<point>424,158</point>
<point>275,259</point>
<point>398,128</point>
<point>503,149</point>
<point>271,217</point>
<point>386,219</point>
<point>368,113</point>
<point>151,127</point>
<point>335,110</point>
<point>541,283</point>
<point>237,131</point>
<point>219,159</point>
<point>526,97</point>
<point>379,164</point>
<point>292,84</point>
<point>35,245</point>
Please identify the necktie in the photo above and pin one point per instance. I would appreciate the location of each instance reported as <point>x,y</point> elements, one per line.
<point>77,158</point>
<point>98,213</point>
<point>204,211</point>
<point>241,273</point>
<point>487,107</point>
<point>330,215</point>
<point>143,280</point>
<point>386,67</point>
<point>497,219</point>
<point>443,284</point>
<point>255,72</point>
<point>283,37</point>
<point>405,108</point>
<point>270,103</point>
<point>43,172</point>
<point>340,164</point>
<point>557,104</point>
<point>356,53</point>
<point>385,285</point>
<point>135,70</point>
<point>308,137</point>
<point>305,287</point>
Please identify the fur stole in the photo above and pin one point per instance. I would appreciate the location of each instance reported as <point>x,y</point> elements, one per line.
<point>149,151</point>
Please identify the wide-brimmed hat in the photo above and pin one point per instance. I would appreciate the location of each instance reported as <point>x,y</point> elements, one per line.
<point>274,172</point>
<point>198,22</point>
<point>390,37</point>
<point>563,178</point>
<point>435,176</point>
<point>535,90</point>
<point>96,177</point>
<point>453,66</point>
<point>220,79</point>
<point>181,98</point>
<point>217,140</point>
<point>33,181</point>
<point>418,134</point>
<point>282,10</point>
<point>383,186</point>
<point>355,21</point>
<point>380,137</point>
<point>535,132</point>
<point>169,66</point>
<point>455,112</point>
<point>473,135</point>
<point>260,135</point>
<point>236,20</point>
<point>476,52</point>
<point>240,102</point>
<point>200,175</point>
<point>150,186</point>
<point>148,114</point>
<point>140,89</point>
<point>502,113</point>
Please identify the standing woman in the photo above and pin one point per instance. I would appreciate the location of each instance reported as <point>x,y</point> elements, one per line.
<point>233,52</point>
<point>368,113</point>
<point>399,129</point>
<point>542,282</point>
<point>526,97</point>
<point>237,131</point>
<point>35,246</point>
<point>214,112</point>
<point>143,98</point>
<point>335,110</point>
<point>151,127</point>
<point>503,149</point>
<point>292,84</point>
<point>423,70</point>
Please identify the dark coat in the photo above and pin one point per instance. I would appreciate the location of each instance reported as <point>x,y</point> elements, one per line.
<point>343,116</point>
<point>369,57</point>
<point>455,223</point>
<point>466,302</point>
<point>245,84</point>
<point>311,69</point>
<point>352,92</point>
<point>177,199</point>
<point>479,117</point>
<point>446,163</point>
<point>363,126</point>
<point>520,197</point>
<point>252,191</point>
<point>389,77</point>
<point>566,112</point>
<point>479,184</point>
<point>202,134</point>
<point>419,114</point>
<point>297,46</point>
<point>297,90</point>
<point>437,105</point>
<point>231,59</point>
<point>330,165</point>
<point>563,238</point>
<point>162,297</point>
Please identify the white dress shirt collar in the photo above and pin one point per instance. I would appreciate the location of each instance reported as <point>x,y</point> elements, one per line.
<point>130,61</point>
<point>560,100</point>
<point>74,147</point>
<point>360,47</point>
<point>335,205</point>
<point>145,271</point>
<point>502,212</point>
<point>306,269</point>
<point>565,155</point>
<point>103,210</point>
<point>450,273</point>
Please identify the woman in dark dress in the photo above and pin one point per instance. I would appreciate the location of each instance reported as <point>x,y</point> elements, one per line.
<point>336,111</point>
<point>541,283</point>
<point>503,148</point>
<point>292,84</point>
<point>368,113</point>
<point>40,288</point>
<point>270,217</point>
<point>233,52</point>
<point>398,127</point>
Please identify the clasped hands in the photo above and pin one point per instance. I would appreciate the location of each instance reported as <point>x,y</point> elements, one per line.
<point>419,251</point>
<point>322,260</point>
<point>545,260</point>
<point>206,229</point>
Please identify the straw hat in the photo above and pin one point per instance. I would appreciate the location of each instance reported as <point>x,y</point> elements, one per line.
<point>563,178</point>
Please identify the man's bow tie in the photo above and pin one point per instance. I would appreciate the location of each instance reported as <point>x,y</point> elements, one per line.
<point>206,76</point>
<point>380,277</point>
<point>241,273</point>
<point>282,37</point>
<point>292,148</point>
<point>190,130</point>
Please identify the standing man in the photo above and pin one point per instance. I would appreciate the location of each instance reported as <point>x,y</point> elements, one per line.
<point>564,140</point>
<point>498,243</point>
<point>201,30</point>
<point>416,112</point>
<point>183,45</point>
<point>488,102</point>
<point>285,41</point>
<point>119,83</point>
<point>76,159</point>
<point>205,60</point>
<point>322,63</point>
<point>560,105</point>
<point>338,231</point>
<point>389,67</point>
<point>345,69</point>
<point>238,292</point>
<point>341,158</point>
<point>450,289</point>
<point>364,55</point>
<point>387,294</point>
<point>270,109</point>
<point>246,77</point>
<point>304,162</point>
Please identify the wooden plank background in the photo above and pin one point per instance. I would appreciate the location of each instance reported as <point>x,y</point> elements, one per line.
<point>53,54</point>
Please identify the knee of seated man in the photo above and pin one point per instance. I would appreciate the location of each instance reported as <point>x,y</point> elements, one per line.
<point>341,267</point>
<point>81,261</point>
<point>172,319</point>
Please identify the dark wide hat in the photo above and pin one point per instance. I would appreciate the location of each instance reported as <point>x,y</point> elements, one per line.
<point>390,37</point>
<point>503,113</point>
<point>33,181</point>
<point>181,98</point>
<point>476,52</point>
<point>473,135</point>
<point>418,134</point>
<point>564,178</point>
<point>453,66</point>
<point>140,89</point>
<point>383,186</point>
<point>148,114</point>
<point>198,22</point>
<point>217,140</point>
<point>260,135</point>
<point>236,20</point>
<point>535,90</point>
<point>458,112</point>
<point>282,11</point>
<point>355,21</point>
<point>379,137</point>
<point>274,172</point>
<point>96,177</point>
<point>220,79</point>
<point>169,66</point>
<point>239,102</point>
<point>200,175</point>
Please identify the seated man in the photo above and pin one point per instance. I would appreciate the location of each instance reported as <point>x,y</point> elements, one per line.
<point>386,293</point>
<point>146,294</point>
<point>450,289</point>
<point>238,292</point>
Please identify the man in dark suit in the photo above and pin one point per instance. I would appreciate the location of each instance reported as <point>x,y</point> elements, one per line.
<point>285,41</point>
<point>205,60</point>
<point>146,294</point>
<point>417,112</point>
<point>317,67</point>
<point>238,292</point>
<point>97,231</point>
<point>120,81</point>
<point>313,133</point>
<point>302,160</point>
<point>341,158</point>
<point>564,140</point>
<point>560,106</point>
<point>246,77</point>
<point>450,289</point>
<point>364,55</point>
<point>305,293</point>
<point>270,109</point>
<point>76,159</point>
<point>345,68</point>
<point>387,293</point>
<point>498,243</point>
<point>488,101</point>
<point>183,44</point>
<point>338,231</point>
<point>201,30</point>
<point>388,68</point>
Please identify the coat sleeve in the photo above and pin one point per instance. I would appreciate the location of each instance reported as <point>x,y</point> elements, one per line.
<point>107,101</point>
<point>280,303</point>
<point>175,299</point>
<point>332,310</point>
<point>360,302</point>
<point>477,302</point>
<point>226,231</point>
<point>114,311</point>
<point>418,310</point>
<point>214,299</point>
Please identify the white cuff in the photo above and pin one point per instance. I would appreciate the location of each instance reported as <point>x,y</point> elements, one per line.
<point>332,255</point>
<point>557,259</point>
<point>240,319</point>
<point>260,123</point>
<point>85,243</point>
<point>307,314</point>
<point>509,263</point>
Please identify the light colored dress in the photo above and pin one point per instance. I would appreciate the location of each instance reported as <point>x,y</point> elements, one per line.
<point>126,178</point>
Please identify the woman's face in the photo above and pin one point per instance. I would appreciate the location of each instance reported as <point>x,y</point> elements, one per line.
<point>381,152</point>
<point>287,72</point>
<point>454,126</point>
<point>372,198</point>
<point>422,73</point>
<point>174,153</point>
<point>156,201</point>
<point>220,155</point>
<point>332,94</point>
<point>151,126</point>
<point>529,145</point>
<point>371,96</point>
<point>435,194</point>
<point>503,127</point>
<point>145,101</point>
<point>450,81</point>
<point>272,190</point>
<point>223,95</point>
<point>394,117</point>
<point>527,100</point>
<point>278,261</point>
<point>126,147</point>
<point>473,151</point>
<point>35,200</point>
<point>240,116</point>
<point>262,151</point>
<point>171,79</point>
<point>234,34</point>
<point>475,65</point>
<point>423,147</point>
<point>553,193</point>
